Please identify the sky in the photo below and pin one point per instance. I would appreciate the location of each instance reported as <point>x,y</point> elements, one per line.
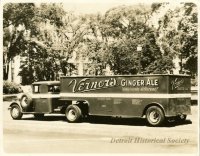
<point>95,6</point>
<point>88,8</point>
<point>101,6</point>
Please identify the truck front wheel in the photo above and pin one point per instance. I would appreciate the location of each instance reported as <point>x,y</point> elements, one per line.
<point>15,112</point>
<point>155,116</point>
<point>73,113</point>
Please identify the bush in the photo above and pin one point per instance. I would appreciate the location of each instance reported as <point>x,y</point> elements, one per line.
<point>11,88</point>
<point>27,89</point>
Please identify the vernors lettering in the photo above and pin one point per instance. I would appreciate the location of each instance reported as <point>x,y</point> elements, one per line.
<point>176,83</point>
<point>87,85</point>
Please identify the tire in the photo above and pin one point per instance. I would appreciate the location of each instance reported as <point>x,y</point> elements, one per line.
<point>38,116</point>
<point>15,112</point>
<point>155,116</point>
<point>73,113</point>
<point>181,118</point>
<point>25,101</point>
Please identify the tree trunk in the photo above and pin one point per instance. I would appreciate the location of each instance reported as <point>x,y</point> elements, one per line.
<point>5,71</point>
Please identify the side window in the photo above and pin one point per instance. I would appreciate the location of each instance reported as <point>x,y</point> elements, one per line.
<point>57,89</point>
<point>50,88</point>
<point>36,89</point>
<point>54,89</point>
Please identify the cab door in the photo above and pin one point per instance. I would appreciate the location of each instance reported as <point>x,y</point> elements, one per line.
<point>42,99</point>
<point>42,105</point>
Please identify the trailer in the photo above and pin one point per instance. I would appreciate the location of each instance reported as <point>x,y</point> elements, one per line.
<point>155,97</point>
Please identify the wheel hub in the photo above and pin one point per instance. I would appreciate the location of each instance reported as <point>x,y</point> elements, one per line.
<point>181,116</point>
<point>15,112</point>
<point>154,116</point>
<point>71,115</point>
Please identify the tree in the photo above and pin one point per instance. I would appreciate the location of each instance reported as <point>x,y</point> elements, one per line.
<point>51,40</point>
<point>178,36</point>
<point>123,29</point>
<point>31,32</point>
<point>16,17</point>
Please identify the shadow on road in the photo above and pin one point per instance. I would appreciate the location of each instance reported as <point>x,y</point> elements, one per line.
<point>132,121</point>
<point>111,121</point>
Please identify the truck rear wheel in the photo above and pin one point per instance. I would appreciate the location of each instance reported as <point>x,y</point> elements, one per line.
<point>15,112</point>
<point>155,116</point>
<point>73,113</point>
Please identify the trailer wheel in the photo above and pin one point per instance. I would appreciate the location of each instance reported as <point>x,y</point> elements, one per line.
<point>15,112</point>
<point>155,116</point>
<point>73,113</point>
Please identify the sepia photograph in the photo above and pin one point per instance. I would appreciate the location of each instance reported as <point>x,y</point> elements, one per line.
<point>99,77</point>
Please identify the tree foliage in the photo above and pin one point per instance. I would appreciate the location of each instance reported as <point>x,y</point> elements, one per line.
<point>30,31</point>
<point>15,16</point>
<point>178,36</point>
<point>51,40</point>
<point>124,28</point>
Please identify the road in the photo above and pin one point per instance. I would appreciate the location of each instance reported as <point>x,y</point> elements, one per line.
<point>97,135</point>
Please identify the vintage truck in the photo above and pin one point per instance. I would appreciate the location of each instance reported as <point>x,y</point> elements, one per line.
<point>155,97</point>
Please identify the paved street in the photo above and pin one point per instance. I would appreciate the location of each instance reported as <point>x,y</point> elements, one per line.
<point>97,135</point>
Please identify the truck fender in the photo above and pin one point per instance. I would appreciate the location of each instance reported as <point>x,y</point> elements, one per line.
<point>153,104</point>
<point>25,100</point>
<point>15,103</point>
<point>84,106</point>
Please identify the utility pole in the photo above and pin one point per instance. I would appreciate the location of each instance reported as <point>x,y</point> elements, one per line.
<point>139,50</point>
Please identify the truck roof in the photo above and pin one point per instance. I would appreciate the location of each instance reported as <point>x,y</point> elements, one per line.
<point>47,83</point>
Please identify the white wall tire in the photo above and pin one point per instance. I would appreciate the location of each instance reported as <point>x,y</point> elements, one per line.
<point>15,112</point>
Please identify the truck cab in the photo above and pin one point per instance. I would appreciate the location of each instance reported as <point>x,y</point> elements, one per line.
<point>44,99</point>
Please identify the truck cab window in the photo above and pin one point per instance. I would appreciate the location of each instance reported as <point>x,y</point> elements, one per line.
<point>54,89</point>
<point>36,89</point>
